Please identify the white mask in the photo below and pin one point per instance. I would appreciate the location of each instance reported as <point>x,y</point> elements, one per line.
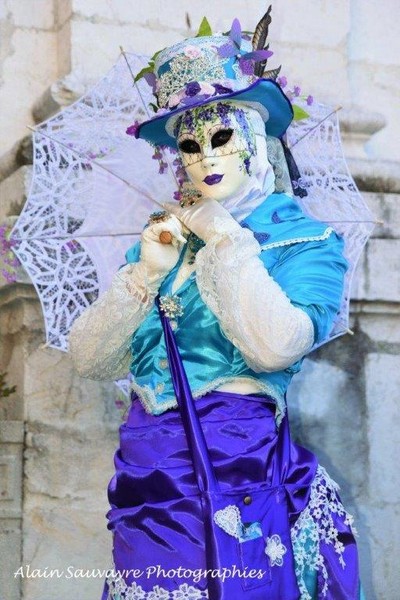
<point>216,143</point>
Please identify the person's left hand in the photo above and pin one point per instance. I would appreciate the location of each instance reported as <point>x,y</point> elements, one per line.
<point>202,217</point>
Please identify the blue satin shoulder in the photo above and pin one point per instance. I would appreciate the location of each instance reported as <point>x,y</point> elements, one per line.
<point>302,257</point>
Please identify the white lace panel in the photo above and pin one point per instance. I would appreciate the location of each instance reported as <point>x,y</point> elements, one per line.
<point>119,590</point>
<point>315,525</point>
<point>253,310</point>
<point>99,340</point>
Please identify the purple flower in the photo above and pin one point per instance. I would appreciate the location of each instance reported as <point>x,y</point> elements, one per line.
<point>227,50</point>
<point>189,100</point>
<point>178,196</point>
<point>221,89</point>
<point>282,81</point>
<point>132,129</point>
<point>309,100</point>
<point>9,277</point>
<point>296,90</point>
<point>162,168</point>
<point>246,66</point>
<point>192,88</point>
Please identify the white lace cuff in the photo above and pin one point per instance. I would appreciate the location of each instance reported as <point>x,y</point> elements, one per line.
<point>99,341</point>
<point>253,310</point>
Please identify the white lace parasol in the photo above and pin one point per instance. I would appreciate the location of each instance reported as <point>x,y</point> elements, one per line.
<point>94,187</point>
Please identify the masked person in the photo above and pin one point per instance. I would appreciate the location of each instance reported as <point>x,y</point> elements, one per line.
<point>249,284</point>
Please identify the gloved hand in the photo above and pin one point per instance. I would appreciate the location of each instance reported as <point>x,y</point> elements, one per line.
<point>159,258</point>
<point>204,217</point>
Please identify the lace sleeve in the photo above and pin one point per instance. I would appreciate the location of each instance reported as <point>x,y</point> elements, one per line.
<point>99,340</point>
<point>253,310</point>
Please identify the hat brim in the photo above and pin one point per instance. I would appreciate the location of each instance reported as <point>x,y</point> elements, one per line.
<point>265,93</point>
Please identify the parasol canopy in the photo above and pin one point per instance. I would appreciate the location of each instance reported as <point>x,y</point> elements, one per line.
<point>93,188</point>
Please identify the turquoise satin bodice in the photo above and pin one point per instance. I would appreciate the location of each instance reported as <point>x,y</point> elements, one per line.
<point>304,256</point>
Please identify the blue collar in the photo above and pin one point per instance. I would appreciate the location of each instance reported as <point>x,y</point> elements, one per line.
<point>280,219</point>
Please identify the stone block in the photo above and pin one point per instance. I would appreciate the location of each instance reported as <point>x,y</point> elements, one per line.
<point>153,14</point>
<point>68,539</point>
<point>33,15</point>
<point>21,83</point>
<point>374,86</point>
<point>10,480</point>
<point>93,60</point>
<point>379,546</point>
<point>375,175</point>
<point>14,191</point>
<point>385,208</point>
<point>322,398</point>
<point>64,463</point>
<point>356,127</point>
<point>377,276</point>
<point>382,377</point>
<point>381,327</point>
<point>366,21</point>
<point>10,548</point>
<point>56,394</point>
<point>325,78</point>
<point>298,23</point>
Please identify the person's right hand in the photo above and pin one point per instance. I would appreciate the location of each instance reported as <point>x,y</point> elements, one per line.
<point>160,258</point>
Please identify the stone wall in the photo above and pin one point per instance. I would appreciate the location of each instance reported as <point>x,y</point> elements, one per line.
<point>59,432</point>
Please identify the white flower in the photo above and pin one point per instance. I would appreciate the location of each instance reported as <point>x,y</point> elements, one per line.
<point>206,88</point>
<point>186,592</point>
<point>192,52</point>
<point>275,550</point>
<point>158,593</point>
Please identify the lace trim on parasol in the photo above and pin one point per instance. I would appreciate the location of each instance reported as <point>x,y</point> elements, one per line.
<point>118,590</point>
<point>315,525</point>
<point>299,240</point>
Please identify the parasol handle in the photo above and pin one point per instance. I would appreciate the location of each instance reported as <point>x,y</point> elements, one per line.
<point>165,237</point>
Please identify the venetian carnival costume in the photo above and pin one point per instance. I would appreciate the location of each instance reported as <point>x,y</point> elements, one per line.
<point>249,284</point>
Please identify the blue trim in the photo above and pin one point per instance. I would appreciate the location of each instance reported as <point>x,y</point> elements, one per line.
<point>264,91</point>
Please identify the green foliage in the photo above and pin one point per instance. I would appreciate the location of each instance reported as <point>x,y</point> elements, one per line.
<point>142,73</point>
<point>204,29</point>
<point>5,391</point>
<point>299,113</point>
<point>149,68</point>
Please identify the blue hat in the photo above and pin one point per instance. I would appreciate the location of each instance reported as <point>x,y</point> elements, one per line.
<point>201,70</point>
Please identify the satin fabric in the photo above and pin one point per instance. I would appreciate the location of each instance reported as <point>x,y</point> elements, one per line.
<point>169,482</point>
<point>154,465</point>
<point>311,274</point>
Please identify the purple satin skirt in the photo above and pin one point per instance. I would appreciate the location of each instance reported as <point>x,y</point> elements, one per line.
<point>154,470</point>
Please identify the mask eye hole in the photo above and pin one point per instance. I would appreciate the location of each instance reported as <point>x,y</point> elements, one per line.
<point>221,137</point>
<point>189,146</point>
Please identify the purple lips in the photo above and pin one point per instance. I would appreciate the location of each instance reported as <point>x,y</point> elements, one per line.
<point>212,179</point>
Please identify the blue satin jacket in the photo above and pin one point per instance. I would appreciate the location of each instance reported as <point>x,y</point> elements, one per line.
<point>304,256</point>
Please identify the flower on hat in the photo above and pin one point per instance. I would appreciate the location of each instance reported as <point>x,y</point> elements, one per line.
<point>192,52</point>
<point>247,60</point>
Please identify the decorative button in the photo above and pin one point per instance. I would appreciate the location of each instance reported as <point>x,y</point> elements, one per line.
<point>159,388</point>
<point>163,363</point>
<point>247,500</point>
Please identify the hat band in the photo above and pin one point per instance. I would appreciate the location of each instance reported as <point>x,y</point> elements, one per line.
<point>186,76</point>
